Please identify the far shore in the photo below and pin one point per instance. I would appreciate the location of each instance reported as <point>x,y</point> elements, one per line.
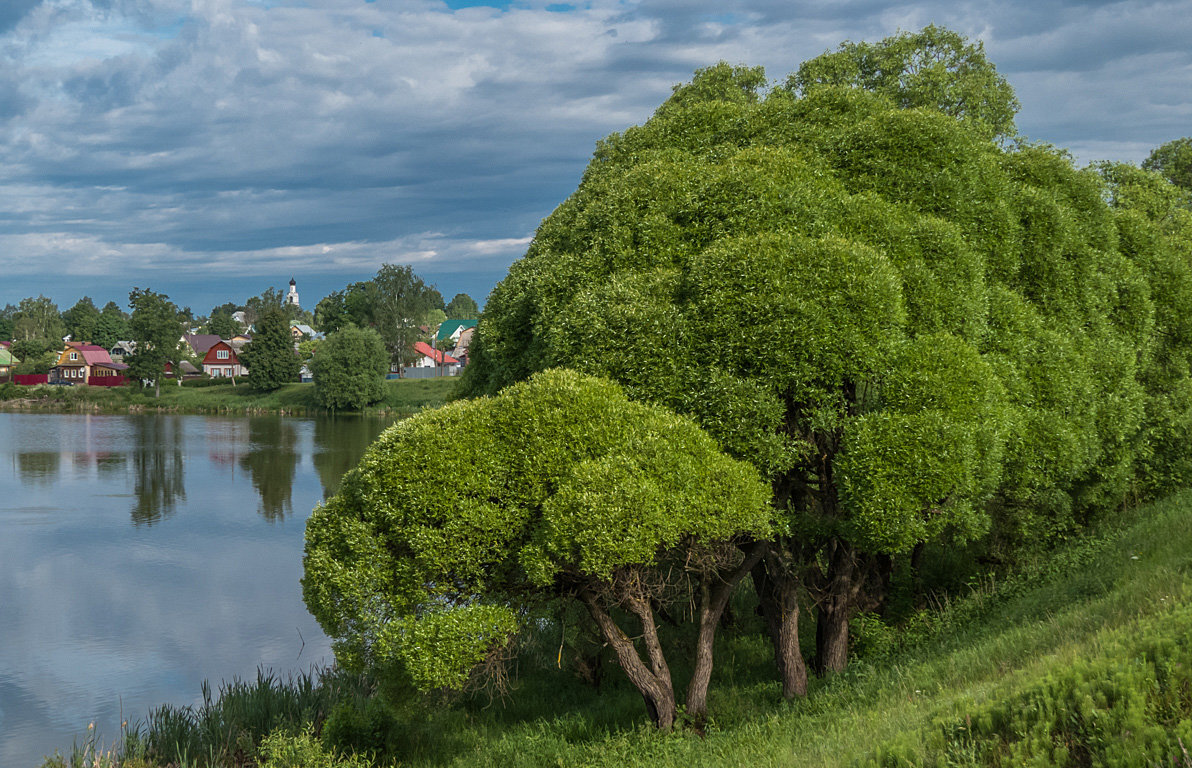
<point>403,397</point>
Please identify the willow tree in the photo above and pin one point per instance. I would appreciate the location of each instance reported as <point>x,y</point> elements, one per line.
<point>558,488</point>
<point>915,333</point>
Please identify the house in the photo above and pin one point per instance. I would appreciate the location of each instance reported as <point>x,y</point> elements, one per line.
<point>122,350</point>
<point>302,331</point>
<point>221,360</point>
<point>199,343</point>
<point>7,362</point>
<point>78,363</point>
<point>188,369</point>
<point>450,331</point>
<point>431,357</point>
<point>461,347</point>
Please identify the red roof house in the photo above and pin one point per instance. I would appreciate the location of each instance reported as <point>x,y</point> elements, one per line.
<point>432,356</point>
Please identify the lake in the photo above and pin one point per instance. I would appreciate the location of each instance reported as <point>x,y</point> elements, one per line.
<point>143,554</point>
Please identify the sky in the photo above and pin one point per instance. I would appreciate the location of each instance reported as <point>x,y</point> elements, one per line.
<point>211,149</point>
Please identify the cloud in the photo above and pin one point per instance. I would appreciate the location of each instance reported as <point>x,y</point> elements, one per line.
<point>162,130</point>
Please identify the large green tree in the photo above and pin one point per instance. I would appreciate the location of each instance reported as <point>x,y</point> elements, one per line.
<point>1174,161</point>
<point>916,334</point>
<point>82,320</point>
<point>222,324</point>
<point>461,524</point>
<point>157,329</point>
<point>349,368</point>
<point>462,307</point>
<point>38,318</point>
<point>402,303</point>
<point>270,356</point>
<point>111,326</point>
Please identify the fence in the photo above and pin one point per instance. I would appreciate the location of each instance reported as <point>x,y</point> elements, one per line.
<point>413,372</point>
<point>105,381</point>
<point>30,379</point>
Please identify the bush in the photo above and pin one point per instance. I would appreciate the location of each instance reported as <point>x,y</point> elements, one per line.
<point>367,727</point>
<point>349,369</point>
<point>284,750</point>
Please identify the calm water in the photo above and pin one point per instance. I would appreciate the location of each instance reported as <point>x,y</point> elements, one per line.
<point>140,555</point>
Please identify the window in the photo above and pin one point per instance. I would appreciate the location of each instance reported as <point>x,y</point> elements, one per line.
<point>221,354</point>
<point>74,355</point>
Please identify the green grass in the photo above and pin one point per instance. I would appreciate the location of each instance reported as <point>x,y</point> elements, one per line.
<point>1083,657</point>
<point>402,397</point>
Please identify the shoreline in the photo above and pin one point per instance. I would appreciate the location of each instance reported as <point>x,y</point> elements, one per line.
<point>403,397</point>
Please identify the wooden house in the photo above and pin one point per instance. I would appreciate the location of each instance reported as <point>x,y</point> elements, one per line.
<point>221,360</point>
<point>81,362</point>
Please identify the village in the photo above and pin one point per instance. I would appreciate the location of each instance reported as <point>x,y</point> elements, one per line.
<point>442,350</point>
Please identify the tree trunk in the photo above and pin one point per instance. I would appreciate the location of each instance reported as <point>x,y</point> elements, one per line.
<point>653,684</point>
<point>715,591</point>
<point>836,608</point>
<point>778,598</point>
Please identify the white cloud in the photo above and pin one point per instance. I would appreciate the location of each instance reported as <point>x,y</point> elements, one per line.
<point>180,127</point>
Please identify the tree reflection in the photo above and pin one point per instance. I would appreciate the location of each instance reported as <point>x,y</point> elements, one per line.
<point>40,467</point>
<point>271,462</point>
<point>158,478</point>
<point>340,441</point>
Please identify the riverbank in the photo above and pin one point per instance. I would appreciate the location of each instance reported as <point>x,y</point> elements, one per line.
<point>1082,656</point>
<point>402,398</point>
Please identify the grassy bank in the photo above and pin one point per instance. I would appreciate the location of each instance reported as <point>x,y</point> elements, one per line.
<point>402,397</point>
<point>1084,657</point>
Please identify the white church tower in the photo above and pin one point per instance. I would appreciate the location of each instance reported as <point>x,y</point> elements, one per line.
<point>292,296</point>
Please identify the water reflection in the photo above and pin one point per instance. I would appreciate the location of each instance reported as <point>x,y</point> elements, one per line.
<point>271,462</point>
<point>101,619</point>
<point>339,444</point>
<point>159,480</point>
<point>40,467</point>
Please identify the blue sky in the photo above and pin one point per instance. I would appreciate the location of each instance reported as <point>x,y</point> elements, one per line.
<point>210,149</point>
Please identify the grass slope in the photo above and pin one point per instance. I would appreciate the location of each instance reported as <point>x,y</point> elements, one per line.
<point>1011,661</point>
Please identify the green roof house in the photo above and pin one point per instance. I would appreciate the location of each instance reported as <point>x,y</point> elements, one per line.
<point>7,361</point>
<point>451,329</point>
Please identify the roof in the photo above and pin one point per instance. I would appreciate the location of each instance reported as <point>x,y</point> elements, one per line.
<point>438,355</point>
<point>447,328</point>
<point>5,344</point>
<point>119,366</point>
<point>6,357</point>
<point>201,342</point>
<point>92,354</point>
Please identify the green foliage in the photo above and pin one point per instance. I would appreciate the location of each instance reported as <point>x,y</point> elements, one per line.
<point>402,303</point>
<point>1174,161</point>
<point>460,521</point>
<point>35,355</point>
<point>157,331</point>
<point>111,327</point>
<point>934,68</point>
<point>82,320</point>
<point>283,750</point>
<point>462,307</point>
<point>222,325</point>
<point>915,332</point>
<point>349,369</point>
<point>369,726</point>
<point>37,318</point>
<point>270,356</point>
<point>7,324</point>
